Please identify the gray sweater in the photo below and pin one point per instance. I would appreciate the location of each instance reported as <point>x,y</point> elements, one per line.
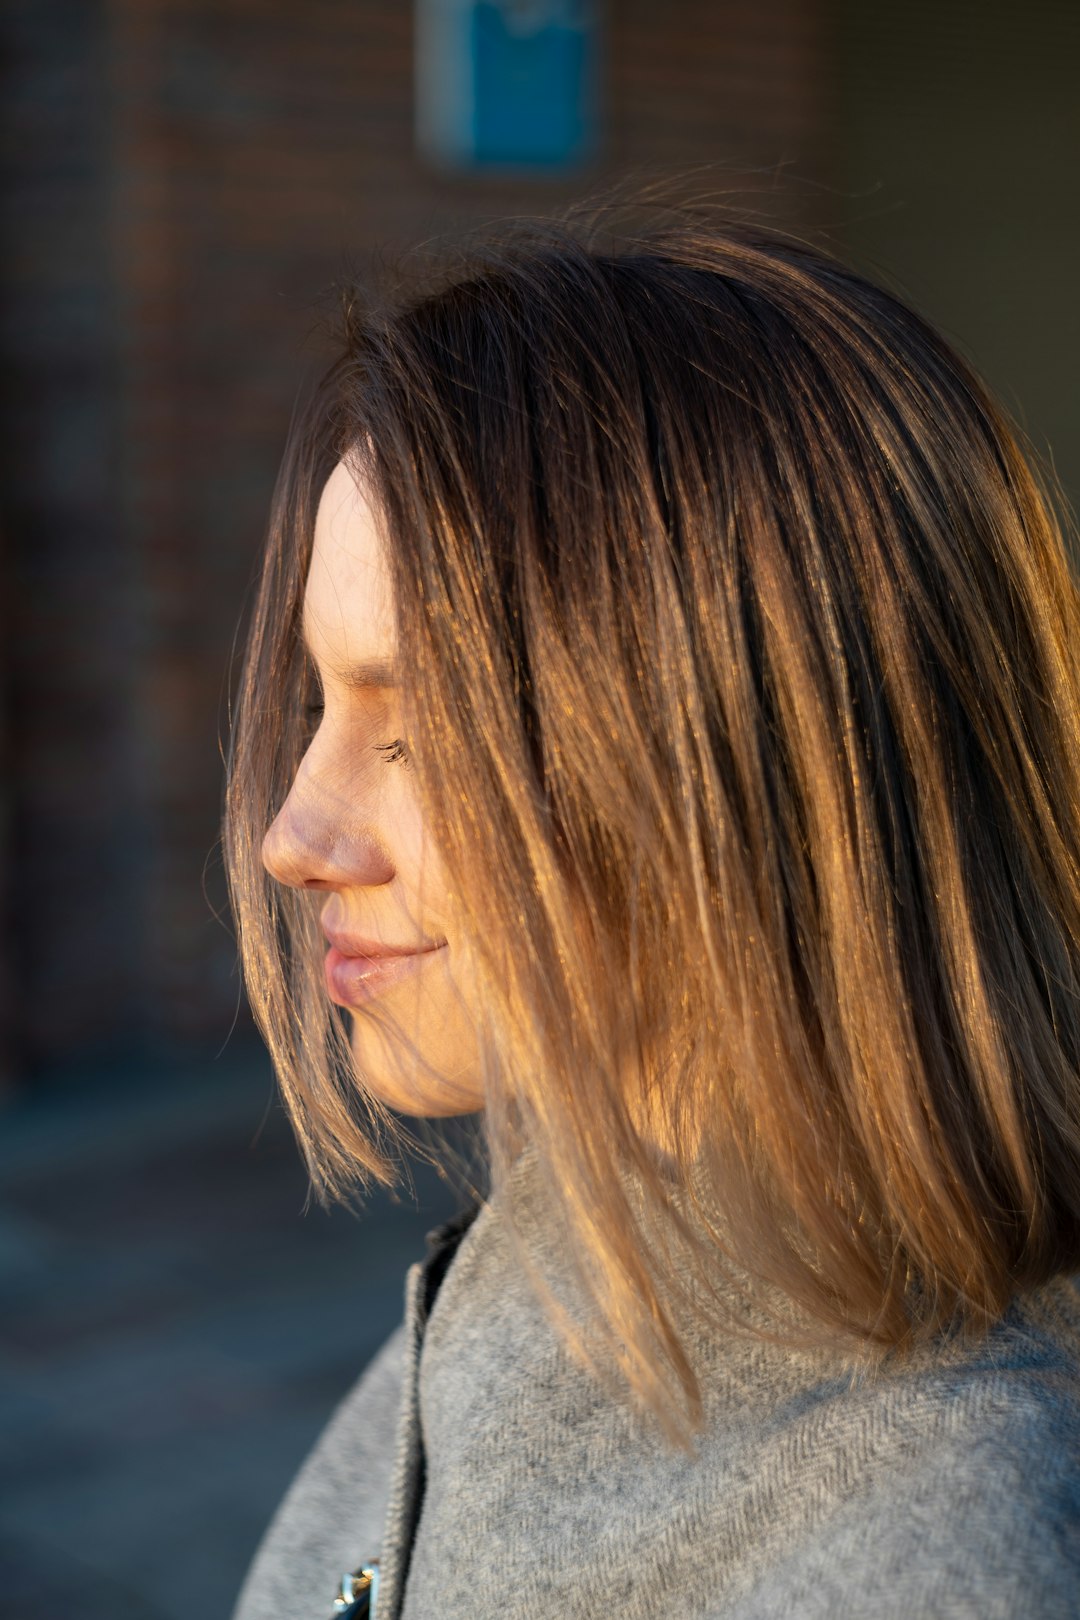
<point>494,1479</point>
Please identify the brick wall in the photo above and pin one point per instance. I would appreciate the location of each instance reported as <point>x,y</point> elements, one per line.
<point>187,178</point>
<point>71,935</point>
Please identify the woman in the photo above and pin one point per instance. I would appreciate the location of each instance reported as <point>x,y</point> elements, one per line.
<point>665,651</point>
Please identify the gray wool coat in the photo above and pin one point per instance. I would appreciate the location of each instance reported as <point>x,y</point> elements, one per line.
<point>495,1480</point>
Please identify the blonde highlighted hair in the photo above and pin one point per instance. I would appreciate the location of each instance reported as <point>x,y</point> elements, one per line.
<point>745,712</point>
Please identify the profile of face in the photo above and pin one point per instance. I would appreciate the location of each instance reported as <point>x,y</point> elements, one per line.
<point>351,828</point>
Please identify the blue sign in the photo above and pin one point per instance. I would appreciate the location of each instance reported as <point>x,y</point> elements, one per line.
<point>506,83</point>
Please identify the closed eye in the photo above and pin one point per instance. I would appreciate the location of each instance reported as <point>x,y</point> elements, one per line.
<point>393,752</point>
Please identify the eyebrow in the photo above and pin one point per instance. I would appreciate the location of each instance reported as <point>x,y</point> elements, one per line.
<point>362,675</point>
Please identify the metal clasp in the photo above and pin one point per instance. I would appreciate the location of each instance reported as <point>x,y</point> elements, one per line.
<point>355,1599</point>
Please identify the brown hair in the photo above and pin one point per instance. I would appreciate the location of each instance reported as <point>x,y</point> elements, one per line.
<point>746,717</point>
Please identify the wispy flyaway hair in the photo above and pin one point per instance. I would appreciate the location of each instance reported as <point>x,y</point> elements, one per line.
<point>744,702</point>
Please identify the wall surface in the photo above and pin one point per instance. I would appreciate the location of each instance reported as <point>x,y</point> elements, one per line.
<point>189,179</point>
<point>957,144</point>
<point>188,182</point>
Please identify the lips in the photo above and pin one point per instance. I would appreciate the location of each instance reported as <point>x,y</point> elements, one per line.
<point>352,980</point>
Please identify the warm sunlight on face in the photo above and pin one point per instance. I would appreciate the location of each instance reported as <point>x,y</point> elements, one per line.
<point>351,828</point>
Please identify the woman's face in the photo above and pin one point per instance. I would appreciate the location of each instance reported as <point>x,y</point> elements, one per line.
<point>351,829</point>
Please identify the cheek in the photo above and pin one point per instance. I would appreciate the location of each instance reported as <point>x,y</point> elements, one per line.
<point>417,857</point>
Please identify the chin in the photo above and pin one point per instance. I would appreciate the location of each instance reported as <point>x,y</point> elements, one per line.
<point>427,1097</point>
<point>396,1071</point>
<point>425,1105</point>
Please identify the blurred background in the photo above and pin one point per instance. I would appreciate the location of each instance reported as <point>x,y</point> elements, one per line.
<point>181,181</point>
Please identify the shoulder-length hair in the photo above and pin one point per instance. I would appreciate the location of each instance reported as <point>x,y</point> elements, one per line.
<point>745,711</point>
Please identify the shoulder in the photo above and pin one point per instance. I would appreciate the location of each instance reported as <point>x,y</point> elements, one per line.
<point>951,1488</point>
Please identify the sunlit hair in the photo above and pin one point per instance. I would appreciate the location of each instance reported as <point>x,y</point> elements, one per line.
<point>744,706</point>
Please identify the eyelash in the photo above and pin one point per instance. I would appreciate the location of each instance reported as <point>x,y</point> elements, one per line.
<point>395,752</point>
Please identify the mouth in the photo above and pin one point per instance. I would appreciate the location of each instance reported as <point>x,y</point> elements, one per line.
<point>352,980</point>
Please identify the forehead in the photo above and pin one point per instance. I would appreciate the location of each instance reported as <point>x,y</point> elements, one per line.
<point>347,598</point>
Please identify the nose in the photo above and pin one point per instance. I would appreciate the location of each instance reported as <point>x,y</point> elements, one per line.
<point>306,848</point>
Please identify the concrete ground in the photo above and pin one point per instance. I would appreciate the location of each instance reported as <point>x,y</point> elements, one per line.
<point>174,1332</point>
